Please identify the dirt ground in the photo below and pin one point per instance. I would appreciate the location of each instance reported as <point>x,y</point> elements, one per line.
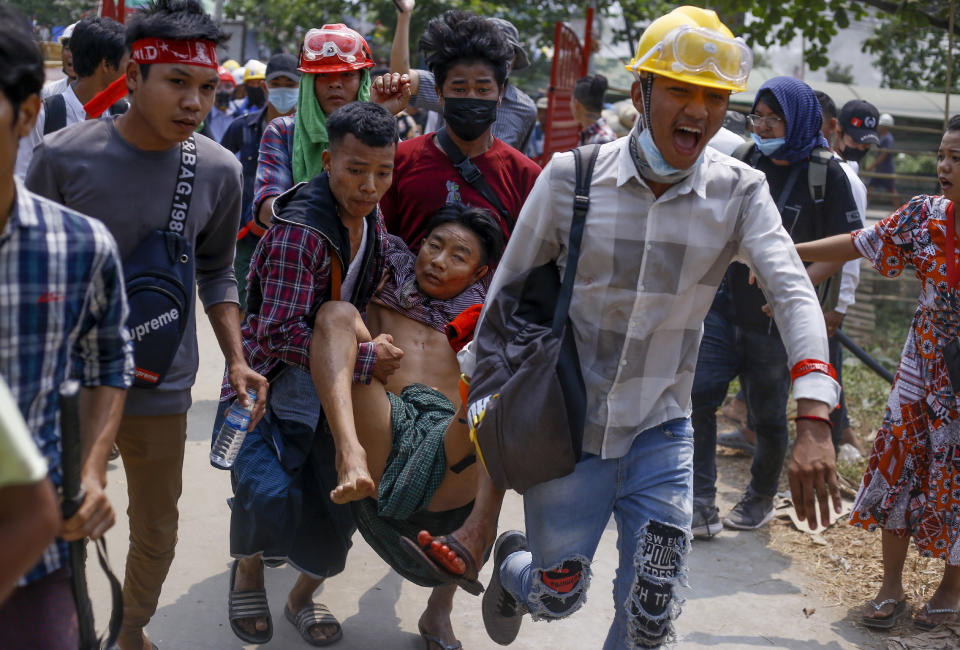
<point>844,562</point>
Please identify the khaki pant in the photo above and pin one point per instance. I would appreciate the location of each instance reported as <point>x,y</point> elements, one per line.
<point>152,452</point>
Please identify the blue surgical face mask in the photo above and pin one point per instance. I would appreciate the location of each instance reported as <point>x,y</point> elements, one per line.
<point>651,164</point>
<point>767,146</point>
<point>283,99</point>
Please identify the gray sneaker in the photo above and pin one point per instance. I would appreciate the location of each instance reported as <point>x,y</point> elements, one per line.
<point>752,512</point>
<point>706,522</point>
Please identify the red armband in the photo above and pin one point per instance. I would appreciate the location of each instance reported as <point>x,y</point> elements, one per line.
<point>807,366</point>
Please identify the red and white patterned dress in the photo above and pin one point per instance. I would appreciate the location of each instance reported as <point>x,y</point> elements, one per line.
<point>912,483</point>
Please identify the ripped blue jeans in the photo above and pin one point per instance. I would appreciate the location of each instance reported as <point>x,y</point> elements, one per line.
<point>649,493</point>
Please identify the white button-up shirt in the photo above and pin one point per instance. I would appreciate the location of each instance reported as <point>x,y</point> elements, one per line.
<point>648,271</point>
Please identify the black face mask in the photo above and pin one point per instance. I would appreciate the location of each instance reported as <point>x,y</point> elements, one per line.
<point>469,118</point>
<point>222,98</point>
<point>256,96</point>
<point>854,155</point>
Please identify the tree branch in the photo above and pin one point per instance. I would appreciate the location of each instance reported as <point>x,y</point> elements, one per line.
<point>896,7</point>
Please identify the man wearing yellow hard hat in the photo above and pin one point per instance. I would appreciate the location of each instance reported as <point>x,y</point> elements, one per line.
<point>666,217</point>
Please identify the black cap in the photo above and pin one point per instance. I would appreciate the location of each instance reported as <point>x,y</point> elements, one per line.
<point>283,65</point>
<point>859,119</point>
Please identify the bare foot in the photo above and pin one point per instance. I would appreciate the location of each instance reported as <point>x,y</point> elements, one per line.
<point>354,480</point>
<point>942,599</point>
<point>474,538</point>
<point>886,593</point>
<point>436,623</point>
<point>249,576</point>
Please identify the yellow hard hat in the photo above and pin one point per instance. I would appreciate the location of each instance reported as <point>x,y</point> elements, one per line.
<point>231,64</point>
<point>692,45</point>
<point>254,70</point>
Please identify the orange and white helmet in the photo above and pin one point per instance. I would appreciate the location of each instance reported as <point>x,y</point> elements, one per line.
<point>334,48</point>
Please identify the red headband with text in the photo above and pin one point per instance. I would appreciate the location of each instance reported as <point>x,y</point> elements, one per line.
<point>163,50</point>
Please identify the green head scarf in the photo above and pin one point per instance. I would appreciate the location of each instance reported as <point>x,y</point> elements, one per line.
<point>310,138</point>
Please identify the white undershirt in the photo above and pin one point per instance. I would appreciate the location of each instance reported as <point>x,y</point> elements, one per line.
<point>353,271</point>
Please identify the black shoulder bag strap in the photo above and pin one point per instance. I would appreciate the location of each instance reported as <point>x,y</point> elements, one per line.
<point>584,159</point>
<point>473,176</point>
<point>54,113</point>
<point>73,495</point>
<point>183,190</point>
<point>817,183</point>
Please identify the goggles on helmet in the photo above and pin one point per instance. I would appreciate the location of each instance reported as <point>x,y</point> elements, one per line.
<point>334,46</point>
<point>694,54</point>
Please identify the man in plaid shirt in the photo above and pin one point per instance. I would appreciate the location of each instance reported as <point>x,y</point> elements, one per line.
<point>667,215</point>
<point>292,477</point>
<point>62,313</point>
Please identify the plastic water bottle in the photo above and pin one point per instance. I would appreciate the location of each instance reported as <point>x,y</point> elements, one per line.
<point>232,432</point>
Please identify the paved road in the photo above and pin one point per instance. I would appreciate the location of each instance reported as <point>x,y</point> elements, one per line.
<point>742,594</point>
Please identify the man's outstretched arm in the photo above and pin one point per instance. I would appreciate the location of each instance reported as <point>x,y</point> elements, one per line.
<point>400,51</point>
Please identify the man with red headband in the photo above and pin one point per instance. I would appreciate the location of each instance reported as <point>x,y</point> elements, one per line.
<point>144,160</point>
<point>336,62</point>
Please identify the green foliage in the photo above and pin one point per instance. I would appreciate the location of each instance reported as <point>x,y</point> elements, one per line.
<point>910,52</point>
<point>909,43</point>
<point>55,12</point>
<point>841,74</point>
<point>282,23</point>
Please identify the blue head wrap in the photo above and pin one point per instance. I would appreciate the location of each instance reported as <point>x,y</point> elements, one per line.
<point>803,118</point>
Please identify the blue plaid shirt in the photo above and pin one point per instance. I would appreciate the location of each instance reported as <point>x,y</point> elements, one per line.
<point>63,314</point>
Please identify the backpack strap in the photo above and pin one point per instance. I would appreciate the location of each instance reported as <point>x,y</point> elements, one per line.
<point>828,291</point>
<point>817,181</point>
<point>473,176</point>
<point>54,113</point>
<point>748,153</point>
<point>584,159</point>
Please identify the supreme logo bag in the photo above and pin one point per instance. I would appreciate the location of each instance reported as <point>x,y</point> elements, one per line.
<point>159,277</point>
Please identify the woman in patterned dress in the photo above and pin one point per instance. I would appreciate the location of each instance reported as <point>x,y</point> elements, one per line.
<point>912,484</point>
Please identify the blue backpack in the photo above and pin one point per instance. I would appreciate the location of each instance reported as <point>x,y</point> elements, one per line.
<point>159,281</point>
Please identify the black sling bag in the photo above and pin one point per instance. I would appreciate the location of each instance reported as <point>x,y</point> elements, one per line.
<point>473,176</point>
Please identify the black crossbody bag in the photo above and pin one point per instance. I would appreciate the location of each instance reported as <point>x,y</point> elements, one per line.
<point>473,176</point>
<point>159,282</point>
<point>528,366</point>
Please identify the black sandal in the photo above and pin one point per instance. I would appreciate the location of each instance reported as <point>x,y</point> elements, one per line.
<point>889,620</point>
<point>251,603</point>
<point>314,614</point>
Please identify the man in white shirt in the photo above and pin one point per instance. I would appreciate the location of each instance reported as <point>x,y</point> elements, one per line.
<point>98,53</point>
<point>667,215</point>
<point>66,61</point>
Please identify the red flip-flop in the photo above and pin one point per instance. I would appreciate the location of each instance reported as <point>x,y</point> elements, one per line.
<point>419,551</point>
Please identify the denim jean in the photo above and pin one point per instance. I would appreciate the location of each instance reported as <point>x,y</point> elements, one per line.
<point>648,493</point>
<point>760,360</point>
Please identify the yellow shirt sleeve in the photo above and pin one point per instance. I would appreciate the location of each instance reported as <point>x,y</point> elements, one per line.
<point>20,460</point>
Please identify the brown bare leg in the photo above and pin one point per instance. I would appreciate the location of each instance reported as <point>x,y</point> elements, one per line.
<point>333,353</point>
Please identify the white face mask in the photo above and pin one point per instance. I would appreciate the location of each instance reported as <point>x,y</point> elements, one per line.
<point>650,162</point>
<point>283,99</point>
<point>647,156</point>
